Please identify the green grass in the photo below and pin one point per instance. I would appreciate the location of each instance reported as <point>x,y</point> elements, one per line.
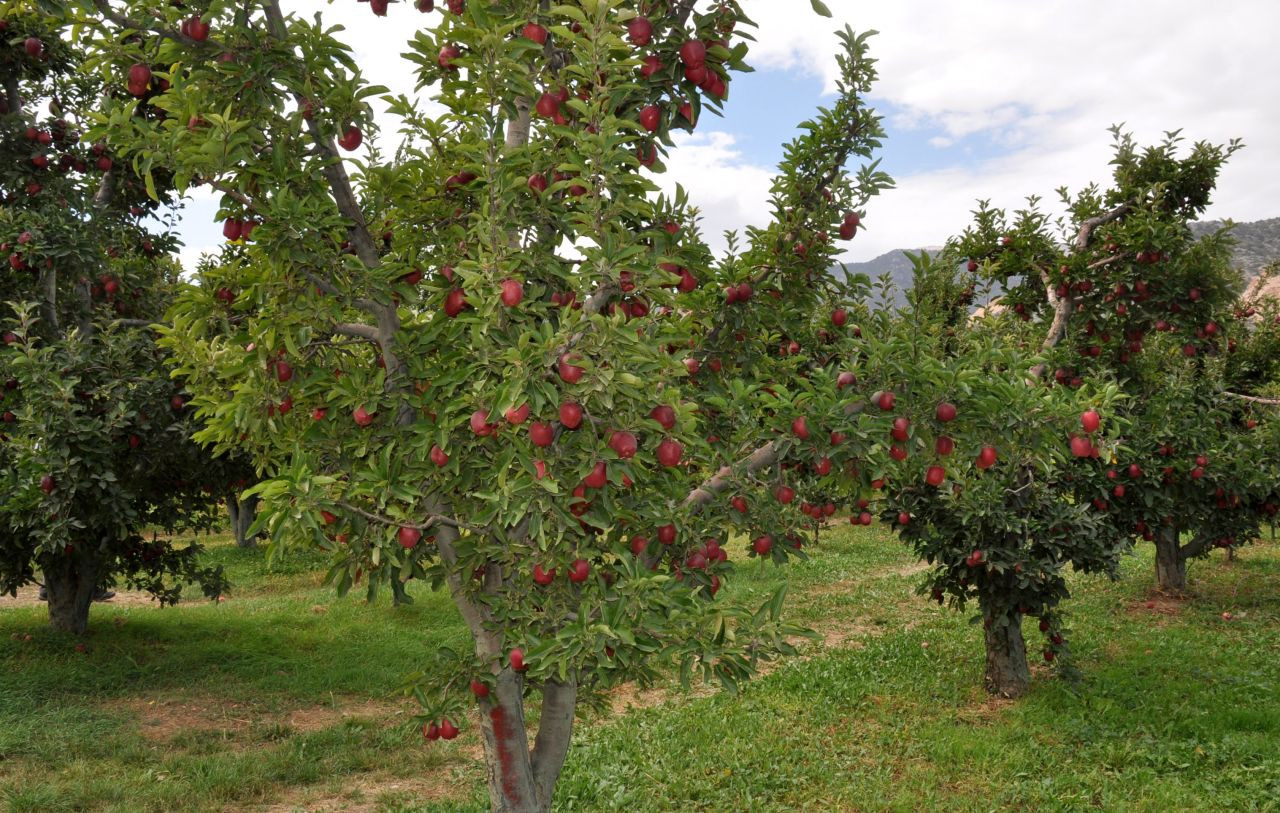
<point>1177,709</point>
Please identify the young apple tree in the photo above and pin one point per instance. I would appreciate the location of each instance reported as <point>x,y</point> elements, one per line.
<point>497,359</point>
<point>1126,296</point>
<point>95,442</point>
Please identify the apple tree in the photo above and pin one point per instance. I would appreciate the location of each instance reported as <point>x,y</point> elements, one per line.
<point>495,358</point>
<point>95,439</point>
<point>1126,296</point>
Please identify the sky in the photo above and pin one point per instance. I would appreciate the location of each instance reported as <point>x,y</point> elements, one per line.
<point>986,99</point>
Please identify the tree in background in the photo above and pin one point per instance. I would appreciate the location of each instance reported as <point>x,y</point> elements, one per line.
<point>1126,296</point>
<point>95,444</point>
<point>496,359</point>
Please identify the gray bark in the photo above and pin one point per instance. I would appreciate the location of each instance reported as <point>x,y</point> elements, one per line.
<point>70,581</point>
<point>242,514</point>
<point>1007,672</point>
<point>1171,564</point>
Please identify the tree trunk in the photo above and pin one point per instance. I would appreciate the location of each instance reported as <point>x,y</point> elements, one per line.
<point>1007,672</point>
<point>242,514</point>
<point>1171,565</point>
<point>506,748</point>
<point>521,781</point>
<point>70,581</point>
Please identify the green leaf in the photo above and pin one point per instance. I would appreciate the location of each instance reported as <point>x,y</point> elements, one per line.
<point>821,8</point>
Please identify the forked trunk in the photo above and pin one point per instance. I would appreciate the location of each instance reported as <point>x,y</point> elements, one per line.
<point>70,581</point>
<point>521,781</point>
<point>242,514</point>
<point>1007,672</point>
<point>1171,565</point>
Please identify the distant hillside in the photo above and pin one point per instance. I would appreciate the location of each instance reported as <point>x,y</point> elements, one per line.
<point>1257,244</point>
<point>894,263</point>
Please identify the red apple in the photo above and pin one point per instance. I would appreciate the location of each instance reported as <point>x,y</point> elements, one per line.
<point>1081,447</point>
<point>570,415</point>
<point>946,412</point>
<point>351,138</point>
<point>538,183</point>
<point>570,373</point>
<point>762,545</point>
<point>785,494</point>
<point>543,576</point>
<point>935,475</point>
<point>800,428</point>
<point>839,317</point>
<point>579,570</point>
<point>693,53</point>
<point>455,302</point>
<point>665,416</point>
<point>901,429</point>
<point>986,457</point>
<point>408,536</point>
<point>667,534</point>
<point>598,476</point>
<point>623,444</point>
<point>446,56</point>
<point>885,401</point>
<point>640,31</point>
<point>534,32</point>
<point>845,379</point>
<point>46,484</point>
<point>480,423</point>
<point>479,689</point>
<point>649,66</point>
<point>438,456</point>
<point>33,46</point>
<point>447,729</point>
<point>362,416</point>
<point>512,292</point>
<point>670,452</point>
<point>650,117</point>
<point>541,433</point>
<point>284,371</point>
<point>1090,421</point>
<point>517,415</point>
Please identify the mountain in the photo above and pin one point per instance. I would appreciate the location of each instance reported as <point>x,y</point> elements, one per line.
<point>1257,244</point>
<point>894,263</point>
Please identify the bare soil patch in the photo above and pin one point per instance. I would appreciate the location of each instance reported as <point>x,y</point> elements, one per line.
<point>162,719</point>
<point>368,793</point>
<point>29,596</point>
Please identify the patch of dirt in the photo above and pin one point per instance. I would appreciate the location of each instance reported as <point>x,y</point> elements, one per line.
<point>1157,604</point>
<point>29,596</point>
<point>161,720</point>
<point>984,708</point>
<point>361,794</point>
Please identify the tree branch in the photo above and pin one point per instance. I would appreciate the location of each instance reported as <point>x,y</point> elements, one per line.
<point>432,519</point>
<point>555,728</point>
<point>761,458</point>
<point>334,171</point>
<point>357,331</point>
<point>125,22</point>
<point>1195,547</point>
<point>1253,399</point>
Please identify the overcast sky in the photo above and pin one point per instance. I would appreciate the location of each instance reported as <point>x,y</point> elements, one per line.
<point>989,99</point>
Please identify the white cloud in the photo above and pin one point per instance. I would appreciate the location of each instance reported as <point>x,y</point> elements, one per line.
<point>1043,80</point>
<point>730,192</point>
<point>1047,79</point>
